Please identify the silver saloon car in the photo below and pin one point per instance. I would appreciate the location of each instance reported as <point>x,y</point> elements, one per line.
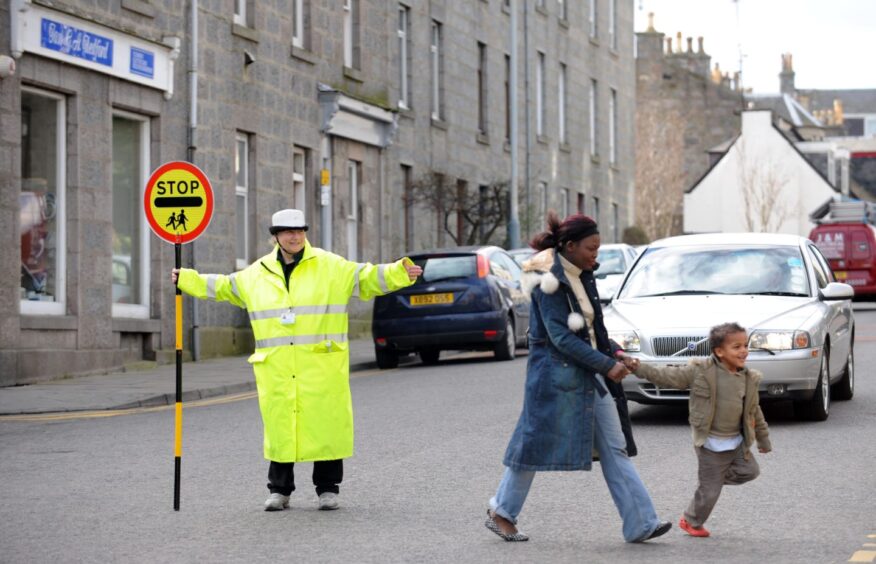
<point>779,287</point>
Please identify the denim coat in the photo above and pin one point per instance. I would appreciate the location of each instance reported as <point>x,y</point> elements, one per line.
<point>555,429</point>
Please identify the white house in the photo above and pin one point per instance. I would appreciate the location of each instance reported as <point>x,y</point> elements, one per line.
<point>762,183</point>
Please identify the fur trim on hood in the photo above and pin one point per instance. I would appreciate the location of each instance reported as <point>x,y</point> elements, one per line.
<point>537,272</point>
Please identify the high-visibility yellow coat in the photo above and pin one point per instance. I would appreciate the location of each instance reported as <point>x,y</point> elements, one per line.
<point>301,359</point>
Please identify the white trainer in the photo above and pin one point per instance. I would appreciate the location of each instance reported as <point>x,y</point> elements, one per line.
<point>277,502</point>
<point>328,501</point>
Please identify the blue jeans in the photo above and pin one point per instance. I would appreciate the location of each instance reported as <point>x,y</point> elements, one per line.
<point>627,490</point>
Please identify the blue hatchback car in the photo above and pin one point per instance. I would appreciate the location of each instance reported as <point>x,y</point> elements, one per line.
<point>468,298</point>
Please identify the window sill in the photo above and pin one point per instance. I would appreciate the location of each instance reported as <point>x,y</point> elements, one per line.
<point>49,322</point>
<point>406,112</point>
<point>507,146</point>
<point>303,54</point>
<point>439,123</point>
<point>133,325</point>
<point>564,23</point>
<point>541,10</point>
<point>565,147</point>
<point>354,74</point>
<point>594,41</point>
<point>615,167</point>
<point>506,8</point>
<point>245,32</point>
<point>139,7</point>
<point>594,159</point>
<point>614,52</point>
<point>483,138</point>
<point>543,139</point>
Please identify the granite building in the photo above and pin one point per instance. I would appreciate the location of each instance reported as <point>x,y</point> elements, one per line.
<point>387,122</point>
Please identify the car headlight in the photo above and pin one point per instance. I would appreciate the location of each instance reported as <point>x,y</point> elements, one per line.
<point>779,340</point>
<point>628,340</point>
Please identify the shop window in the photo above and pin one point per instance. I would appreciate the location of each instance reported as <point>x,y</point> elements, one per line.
<point>41,203</point>
<point>130,258</point>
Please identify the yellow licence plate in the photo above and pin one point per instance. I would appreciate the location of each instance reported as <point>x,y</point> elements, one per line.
<point>841,274</point>
<point>430,299</point>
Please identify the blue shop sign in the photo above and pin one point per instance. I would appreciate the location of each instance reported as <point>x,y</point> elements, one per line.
<point>76,42</point>
<point>142,62</point>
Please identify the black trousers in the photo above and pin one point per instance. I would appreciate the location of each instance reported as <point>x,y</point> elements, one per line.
<point>327,475</point>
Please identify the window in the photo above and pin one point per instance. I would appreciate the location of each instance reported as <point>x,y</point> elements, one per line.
<point>594,139</point>
<point>542,198</point>
<point>353,211</point>
<point>42,203</point>
<point>612,127</point>
<point>592,19</point>
<point>239,12</point>
<point>482,88</point>
<point>404,93</point>
<point>563,9</point>
<point>437,62</point>
<point>351,34</point>
<point>539,95</point>
<point>615,222</point>
<point>130,259</point>
<point>823,274</point>
<point>298,26</point>
<point>612,23</point>
<point>483,203</point>
<point>507,97</point>
<point>561,107</point>
<point>299,179</point>
<point>408,202</point>
<point>580,202</point>
<point>596,209</point>
<point>241,175</point>
<point>564,202</point>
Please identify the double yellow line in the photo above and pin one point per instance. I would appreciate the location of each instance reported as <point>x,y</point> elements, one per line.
<point>97,414</point>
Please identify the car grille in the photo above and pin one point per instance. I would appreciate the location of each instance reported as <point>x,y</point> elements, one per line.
<point>668,346</point>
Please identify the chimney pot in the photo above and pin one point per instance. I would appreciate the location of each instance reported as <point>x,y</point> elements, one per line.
<point>651,22</point>
<point>700,49</point>
<point>678,42</point>
<point>690,44</point>
<point>668,45</point>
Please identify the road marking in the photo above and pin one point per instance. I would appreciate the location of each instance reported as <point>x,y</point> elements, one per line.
<point>863,556</point>
<point>70,416</point>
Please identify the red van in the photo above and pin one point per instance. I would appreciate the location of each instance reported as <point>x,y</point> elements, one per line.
<point>850,248</point>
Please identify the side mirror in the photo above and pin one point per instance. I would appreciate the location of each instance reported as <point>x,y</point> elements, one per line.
<point>837,291</point>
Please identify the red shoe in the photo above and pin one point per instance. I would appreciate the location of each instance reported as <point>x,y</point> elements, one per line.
<point>691,530</point>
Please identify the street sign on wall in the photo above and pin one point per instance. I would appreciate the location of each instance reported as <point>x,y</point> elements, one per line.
<point>178,202</point>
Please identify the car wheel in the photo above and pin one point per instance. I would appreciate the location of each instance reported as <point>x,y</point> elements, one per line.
<point>386,358</point>
<point>507,349</point>
<point>818,408</point>
<point>430,356</point>
<point>845,388</point>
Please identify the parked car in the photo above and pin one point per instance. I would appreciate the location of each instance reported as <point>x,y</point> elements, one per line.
<point>850,249</point>
<point>468,298</point>
<point>614,261</point>
<point>522,254</point>
<point>779,287</point>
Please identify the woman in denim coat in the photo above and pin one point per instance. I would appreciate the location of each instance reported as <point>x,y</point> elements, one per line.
<point>569,408</point>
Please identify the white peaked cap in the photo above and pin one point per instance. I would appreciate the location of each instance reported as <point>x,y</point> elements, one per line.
<point>287,219</point>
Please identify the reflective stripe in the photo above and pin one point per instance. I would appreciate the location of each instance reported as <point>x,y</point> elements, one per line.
<point>233,278</point>
<point>299,310</point>
<point>300,340</point>
<point>211,286</point>
<point>381,278</point>
<point>356,283</point>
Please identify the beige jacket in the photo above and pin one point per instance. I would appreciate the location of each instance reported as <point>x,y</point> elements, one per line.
<point>700,377</point>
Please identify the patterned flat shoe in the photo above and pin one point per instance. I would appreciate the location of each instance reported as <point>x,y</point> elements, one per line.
<point>512,537</point>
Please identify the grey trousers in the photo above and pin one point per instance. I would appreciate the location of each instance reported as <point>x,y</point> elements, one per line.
<point>717,469</point>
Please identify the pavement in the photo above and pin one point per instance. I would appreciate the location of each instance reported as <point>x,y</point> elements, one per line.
<point>151,387</point>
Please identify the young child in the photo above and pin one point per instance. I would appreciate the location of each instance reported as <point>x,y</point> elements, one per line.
<point>725,418</point>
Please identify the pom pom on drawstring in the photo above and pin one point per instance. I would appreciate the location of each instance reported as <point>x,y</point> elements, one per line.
<point>549,283</point>
<point>576,321</point>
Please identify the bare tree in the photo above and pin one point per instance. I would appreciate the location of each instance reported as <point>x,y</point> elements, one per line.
<point>469,215</point>
<point>659,171</point>
<point>761,183</point>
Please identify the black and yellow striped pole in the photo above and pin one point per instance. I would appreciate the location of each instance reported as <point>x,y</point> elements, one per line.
<point>178,203</point>
<point>177,449</point>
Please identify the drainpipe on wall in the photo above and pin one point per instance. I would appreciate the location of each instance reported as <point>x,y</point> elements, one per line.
<point>193,145</point>
<point>325,194</point>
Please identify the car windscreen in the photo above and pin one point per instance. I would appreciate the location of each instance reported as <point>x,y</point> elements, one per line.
<point>772,271</point>
<point>610,262</point>
<point>446,268</point>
